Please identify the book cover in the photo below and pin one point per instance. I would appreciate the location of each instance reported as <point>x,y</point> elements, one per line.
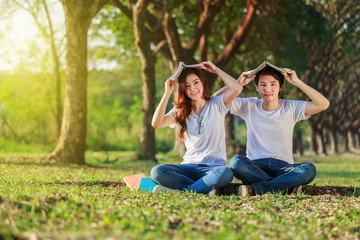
<point>147,184</point>
<point>263,65</point>
<point>181,67</point>
<point>133,181</point>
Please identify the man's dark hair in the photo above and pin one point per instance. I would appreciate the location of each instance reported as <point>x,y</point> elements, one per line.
<point>272,72</point>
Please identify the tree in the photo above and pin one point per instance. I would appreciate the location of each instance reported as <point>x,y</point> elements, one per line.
<point>333,68</point>
<point>37,8</point>
<point>72,141</point>
<point>320,41</point>
<point>164,31</point>
<point>148,58</point>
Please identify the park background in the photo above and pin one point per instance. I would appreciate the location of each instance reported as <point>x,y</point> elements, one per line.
<point>79,82</point>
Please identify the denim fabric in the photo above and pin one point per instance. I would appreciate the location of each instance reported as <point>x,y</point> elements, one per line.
<point>199,178</point>
<point>271,175</point>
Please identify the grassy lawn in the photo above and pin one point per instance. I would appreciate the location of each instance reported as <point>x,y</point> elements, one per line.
<point>39,201</point>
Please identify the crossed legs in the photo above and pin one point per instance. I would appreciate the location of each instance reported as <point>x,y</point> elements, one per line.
<point>200,178</point>
<point>271,175</point>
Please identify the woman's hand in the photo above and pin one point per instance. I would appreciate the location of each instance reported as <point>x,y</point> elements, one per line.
<point>243,79</point>
<point>170,85</point>
<point>209,66</point>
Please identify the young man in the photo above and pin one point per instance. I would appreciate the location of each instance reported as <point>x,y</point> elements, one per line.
<point>269,165</point>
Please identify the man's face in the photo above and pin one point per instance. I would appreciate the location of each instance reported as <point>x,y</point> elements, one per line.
<point>268,88</point>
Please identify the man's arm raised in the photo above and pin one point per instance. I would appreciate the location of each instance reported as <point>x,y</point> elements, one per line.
<point>318,102</point>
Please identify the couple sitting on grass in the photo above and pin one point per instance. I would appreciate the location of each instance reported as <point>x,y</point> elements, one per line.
<point>269,166</point>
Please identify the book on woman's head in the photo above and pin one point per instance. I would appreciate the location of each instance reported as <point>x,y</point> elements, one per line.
<point>181,67</point>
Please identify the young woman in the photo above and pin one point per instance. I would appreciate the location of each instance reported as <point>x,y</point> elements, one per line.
<point>201,122</point>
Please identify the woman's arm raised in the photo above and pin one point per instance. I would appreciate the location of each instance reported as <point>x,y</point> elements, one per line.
<point>159,119</point>
<point>233,87</point>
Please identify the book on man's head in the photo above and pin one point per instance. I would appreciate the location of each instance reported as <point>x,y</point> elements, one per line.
<point>181,67</point>
<point>263,65</point>
<point>133,181</point>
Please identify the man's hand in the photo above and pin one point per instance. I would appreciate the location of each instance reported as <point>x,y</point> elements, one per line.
<point>291,77</point>
<point>318,102</point>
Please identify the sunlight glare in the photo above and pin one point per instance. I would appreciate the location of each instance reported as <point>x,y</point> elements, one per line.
<point>15,34</point>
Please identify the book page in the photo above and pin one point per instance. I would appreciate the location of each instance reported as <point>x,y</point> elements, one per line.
<point>181,67</point>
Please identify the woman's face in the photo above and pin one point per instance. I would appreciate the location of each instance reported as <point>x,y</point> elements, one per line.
<point>194,88</point>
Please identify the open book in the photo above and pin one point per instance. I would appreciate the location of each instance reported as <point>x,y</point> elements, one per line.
<point>263,65</point>
<point>181,67</point>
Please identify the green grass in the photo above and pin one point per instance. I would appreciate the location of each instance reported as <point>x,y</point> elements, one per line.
<point>33,202</point>
<point>337,170</point>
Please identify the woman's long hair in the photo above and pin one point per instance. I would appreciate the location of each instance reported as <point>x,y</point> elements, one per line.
<point>183,103</point>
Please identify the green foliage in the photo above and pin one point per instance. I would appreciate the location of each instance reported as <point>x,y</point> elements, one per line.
<point>282,33</point>
<point>111,39</point>
<point>114,108</point>
<point>27,102</point>
<point>9,146</point>
<point>73,202</point>
<point>26,107</point>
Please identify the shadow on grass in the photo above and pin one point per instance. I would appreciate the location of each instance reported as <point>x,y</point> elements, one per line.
<point>90,183</point>
<point>28,161</point>
<point>332,190</point>
<point>307,190</point>
<point>232,188</point>
<point>121,165</point>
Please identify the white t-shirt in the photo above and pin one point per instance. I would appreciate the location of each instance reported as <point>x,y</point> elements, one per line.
<point>205,134</point>
<point>269,133</point>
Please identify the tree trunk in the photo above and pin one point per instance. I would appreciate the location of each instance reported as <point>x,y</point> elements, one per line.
<point>322,141</point>
<point>179,146</point>
<point>142,42</point>
<point>334,142</point>
<point>346,142</point>
<point>313,144</point>
<point>353,136</point>
<point>147,138</point>
<point>231,146</point>
<point>298,144</point>
<point>349,142</point>
<point>318,144</point>
<point>72,141</point>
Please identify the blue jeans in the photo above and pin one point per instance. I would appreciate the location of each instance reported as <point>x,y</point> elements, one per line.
<point>271,175</point>
<point>199,178</point>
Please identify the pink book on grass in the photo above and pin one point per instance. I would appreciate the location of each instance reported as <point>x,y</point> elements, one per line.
<point>133,181</point>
